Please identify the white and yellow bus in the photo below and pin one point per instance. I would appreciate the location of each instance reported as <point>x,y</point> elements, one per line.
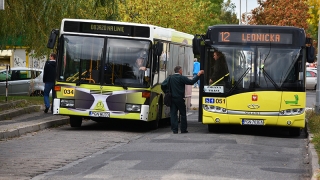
<point>98,76</point>
<point>265,81</point>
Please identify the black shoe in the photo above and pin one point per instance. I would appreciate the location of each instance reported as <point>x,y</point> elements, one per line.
<point>175,132</point>
<point>184,132</point>
<point>46,110</point>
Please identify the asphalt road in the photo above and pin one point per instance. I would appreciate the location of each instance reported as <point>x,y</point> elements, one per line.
<point>125,150</point>
<point>311,98</point>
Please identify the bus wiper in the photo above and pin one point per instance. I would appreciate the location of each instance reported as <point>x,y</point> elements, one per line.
<point>115,74</point>
<point>240,79</point>
<point>270,79</point>
<point>80,74</point>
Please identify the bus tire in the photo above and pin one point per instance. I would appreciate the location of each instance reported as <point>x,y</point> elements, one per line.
<point>213,128</point>
<point>295,132</point>
<point>153,125</point>
<point>75,121</point>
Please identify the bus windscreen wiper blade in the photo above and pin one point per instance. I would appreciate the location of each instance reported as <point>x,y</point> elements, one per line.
<point>240,79</point>
<point>115,74</point>
<point>270,79</point>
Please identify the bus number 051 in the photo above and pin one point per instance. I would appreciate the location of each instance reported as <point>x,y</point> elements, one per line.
<point>220,101</point>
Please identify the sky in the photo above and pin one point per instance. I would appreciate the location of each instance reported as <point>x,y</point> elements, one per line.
<point>245,4</point>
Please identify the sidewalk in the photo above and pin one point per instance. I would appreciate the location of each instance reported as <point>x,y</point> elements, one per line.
<point>195,98</point>
<point>19,121</point>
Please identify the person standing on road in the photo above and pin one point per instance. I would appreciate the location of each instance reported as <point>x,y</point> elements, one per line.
<point>177,87</point>
<point>196,69</point>
<point>49,75</point>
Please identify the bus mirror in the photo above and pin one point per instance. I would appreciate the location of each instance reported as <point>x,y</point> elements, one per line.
<point>52,39</point>
<point>196,45</point>
<point>158,48</point>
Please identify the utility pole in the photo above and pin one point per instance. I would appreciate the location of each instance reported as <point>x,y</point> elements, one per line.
<point>240,14</point>
<point>1,4</point>
<point>246,12</point>
<point>317,108</point>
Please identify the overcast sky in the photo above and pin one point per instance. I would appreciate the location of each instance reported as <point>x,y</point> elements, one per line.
<point>245,4</point>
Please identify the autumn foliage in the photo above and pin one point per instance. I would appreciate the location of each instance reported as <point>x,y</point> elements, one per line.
<point>281,12</point>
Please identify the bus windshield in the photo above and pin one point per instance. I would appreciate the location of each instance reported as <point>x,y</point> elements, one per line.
<point>253,67</point>
<point>121,62</point>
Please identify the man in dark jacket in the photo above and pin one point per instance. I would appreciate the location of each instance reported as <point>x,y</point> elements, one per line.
<point>177,87</point>
<point>49,75</point>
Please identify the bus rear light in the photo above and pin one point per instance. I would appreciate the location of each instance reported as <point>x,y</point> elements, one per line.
<point>146,94</point>
<point>57,88</point>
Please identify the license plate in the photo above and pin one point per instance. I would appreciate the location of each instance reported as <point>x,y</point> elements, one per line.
<point>252,122</point>
<point>99,114</point>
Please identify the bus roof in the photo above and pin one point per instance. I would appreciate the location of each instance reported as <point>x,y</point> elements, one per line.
<point>155,32</point>
<point>256,34</point>
<point>235,26</point>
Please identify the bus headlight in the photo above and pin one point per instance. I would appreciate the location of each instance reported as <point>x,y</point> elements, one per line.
<point>215,109</point>
<point>288,112</point>
<point>133,107</point>
<point>67,102</point>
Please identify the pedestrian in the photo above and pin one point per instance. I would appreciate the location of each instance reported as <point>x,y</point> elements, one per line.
<point>49,75</point>
<point>196,69</point>
<point>177,87</point>
<point>219,69</point>
<point>164,60</point>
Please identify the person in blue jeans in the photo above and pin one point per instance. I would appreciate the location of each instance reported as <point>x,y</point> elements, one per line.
<point>196,69</point>
<point>177,87</point>
<point>49,75</point>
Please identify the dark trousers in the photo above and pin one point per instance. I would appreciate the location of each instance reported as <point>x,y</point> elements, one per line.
<point>178,104</point>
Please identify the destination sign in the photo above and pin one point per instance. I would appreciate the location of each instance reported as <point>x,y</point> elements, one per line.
<point>106,29</point>
<point>245,37</point>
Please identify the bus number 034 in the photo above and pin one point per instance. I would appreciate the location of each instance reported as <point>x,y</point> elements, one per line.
<point>68,91</point>
<point>225,36</point>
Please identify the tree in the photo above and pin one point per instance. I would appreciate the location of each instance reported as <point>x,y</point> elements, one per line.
<point>228,15</point>
<point>32,22</point>
<point>314,11</point>
<point>281,12</point>
<point>188,16</point>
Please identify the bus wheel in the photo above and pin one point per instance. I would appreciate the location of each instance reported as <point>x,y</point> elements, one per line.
<point>295,131</point>
<point>155,124</point>
<point>75,121</point>
<point>212,128</point>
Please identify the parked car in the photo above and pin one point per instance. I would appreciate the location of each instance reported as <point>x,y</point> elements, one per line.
<point>311,79</point>
<point>22,81</point>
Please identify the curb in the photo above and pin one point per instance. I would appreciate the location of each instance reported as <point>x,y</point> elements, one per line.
<point>313,158</point>
<point>8,114</point>
<point>10,104</point>
<point>33,127</point>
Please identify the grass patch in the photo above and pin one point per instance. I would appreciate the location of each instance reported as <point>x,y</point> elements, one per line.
<point>314,127</point>
<point>31,100</point>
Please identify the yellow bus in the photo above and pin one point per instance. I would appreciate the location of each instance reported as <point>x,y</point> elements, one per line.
<point>110,69</point>
<point>264,81</point>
